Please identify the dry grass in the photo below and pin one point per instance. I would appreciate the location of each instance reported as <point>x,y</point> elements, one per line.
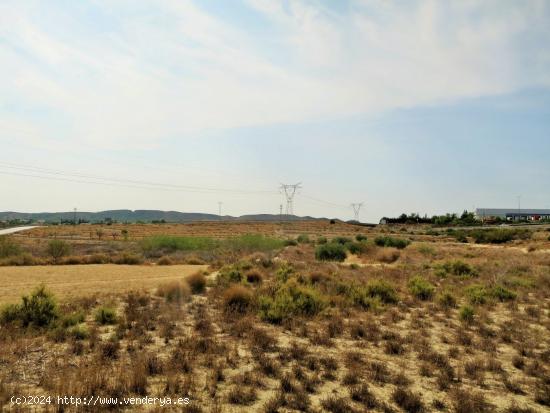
<point>84,280</point>
<point>363,350</point>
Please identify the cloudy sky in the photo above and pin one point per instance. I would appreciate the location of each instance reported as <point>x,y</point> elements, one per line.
<point>417,106</point>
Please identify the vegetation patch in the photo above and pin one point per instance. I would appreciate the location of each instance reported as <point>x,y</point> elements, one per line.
<point>38,309</point>
<point>331,251</point>
<point>421,288</point>
<point>289,300</point>
<point>387,241</point>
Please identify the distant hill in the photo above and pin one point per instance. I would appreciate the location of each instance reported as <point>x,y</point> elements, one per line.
<point>126,215</point>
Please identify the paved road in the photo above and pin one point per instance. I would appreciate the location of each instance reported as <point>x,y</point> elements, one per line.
<point>16,229</point>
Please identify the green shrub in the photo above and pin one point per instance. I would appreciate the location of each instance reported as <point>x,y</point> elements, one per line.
<point>457,267</point>
<point>387,241</point>
<point>8,248</point>
<point>290,242</point>
<point>284,272</point>
<point>291,300</point>
<point>251,243</point>
<point>477,294</point>
<point>57,249</point>
<point>230,274</point>
<point>466,313</point>
<point>360,237</point>
<point>39,309</point>
<point>72,319</point>
<point>341,240</point>
<point>197,282</point>
<point>330,252</point>
<point>383,290</point>
<point>499,235</point>
<point>105,315</point>
<point>502,294</point>
<point>78,332</point>
<point>447,300</point>
<point>303,239</point>
<point>243,243</point>
<point>9,313</point>
<point>356,248</point>
<point>421,288</point>
<point>321,240</point>
<point>360,295</point>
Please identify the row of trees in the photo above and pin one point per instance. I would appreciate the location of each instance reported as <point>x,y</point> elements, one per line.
<point>467,218</point>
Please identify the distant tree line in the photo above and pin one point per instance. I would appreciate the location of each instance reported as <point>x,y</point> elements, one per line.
<point>467,218</point>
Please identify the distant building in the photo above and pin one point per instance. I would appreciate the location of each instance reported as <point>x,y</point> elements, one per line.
<point>511,214</point>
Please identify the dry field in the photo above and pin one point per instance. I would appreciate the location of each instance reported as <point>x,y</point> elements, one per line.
<point>196,229</point>
<point>72,281</point>
<point>427,324</point>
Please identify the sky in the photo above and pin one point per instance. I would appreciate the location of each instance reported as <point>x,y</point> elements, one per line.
<point>417,106</point>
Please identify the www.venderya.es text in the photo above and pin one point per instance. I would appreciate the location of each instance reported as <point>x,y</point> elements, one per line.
<point>98,401</point>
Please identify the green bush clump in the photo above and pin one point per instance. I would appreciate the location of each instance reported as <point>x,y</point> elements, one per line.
<point>477,294</point>
<point>291,299</point>
<point>361,296</point>
<point>72,319</point>
<point>387,241</point>
<point>360,237</point>
<point>341,240</point>
<point>447,300</point>
<point>356,248</point>
<point>303,239</point>
<point>290,242</point>
<point>457,267</point>
<point>39,309</point>
<point>502,294</point>
<point>231,274</point>
<point>321,240</point>
<point>330,252</point>
<point>421,288</point>
<point>105,315</point>
<point>383,290</point>
<point>499,235</point>
<point>243,243</point>
<point>8,248</point>
<point>466,313</point>
<point>57,249</point>
<point>252,243</point>
<point>171,243</point>
<point>78,332</point>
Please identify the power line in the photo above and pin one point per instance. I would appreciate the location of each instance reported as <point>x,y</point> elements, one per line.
<point>133,183</point>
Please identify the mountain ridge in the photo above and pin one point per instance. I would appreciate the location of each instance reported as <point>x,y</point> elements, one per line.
<point>146,215</point>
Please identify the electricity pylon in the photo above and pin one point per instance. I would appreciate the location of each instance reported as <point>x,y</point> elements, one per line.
<point>289,191</point>
<point>356,208</point>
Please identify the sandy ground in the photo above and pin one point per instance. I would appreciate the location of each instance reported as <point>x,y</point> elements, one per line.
<point>80,280</point>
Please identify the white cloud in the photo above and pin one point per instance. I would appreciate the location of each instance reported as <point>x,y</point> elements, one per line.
<point>170,69</point>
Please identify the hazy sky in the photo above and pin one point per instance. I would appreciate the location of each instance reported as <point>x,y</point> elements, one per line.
<point>416,106</point>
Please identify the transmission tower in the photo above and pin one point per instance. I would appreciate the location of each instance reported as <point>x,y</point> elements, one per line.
<point>220,208</point>
<point>289,191</point>
<point>356,208</point>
